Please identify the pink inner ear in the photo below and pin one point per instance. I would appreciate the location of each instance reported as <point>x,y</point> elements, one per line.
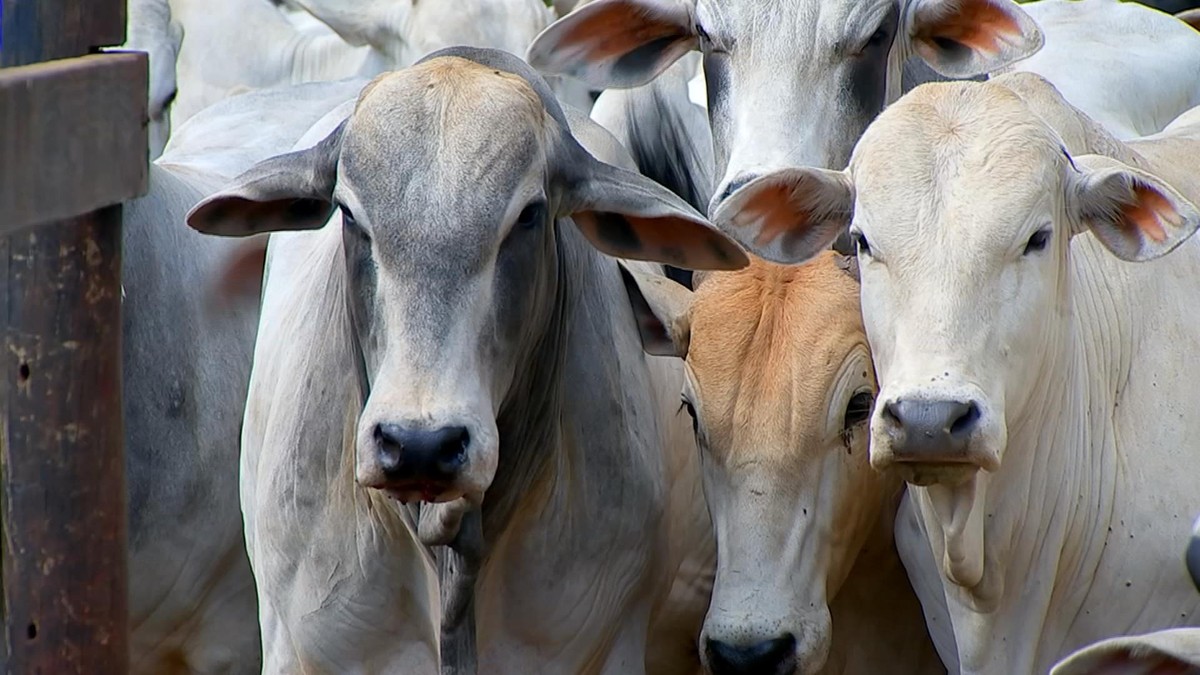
<point>613,30</point>
<point>772,208</point>
<point>1149,213</point>
<point>978,24</point>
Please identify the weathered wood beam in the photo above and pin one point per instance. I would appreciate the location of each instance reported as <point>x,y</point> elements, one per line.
<point>74,136</point>
<point>61,448</point>
<point>45,30</point>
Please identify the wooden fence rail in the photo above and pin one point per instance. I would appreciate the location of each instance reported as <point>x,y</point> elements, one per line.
<point>72,148</point>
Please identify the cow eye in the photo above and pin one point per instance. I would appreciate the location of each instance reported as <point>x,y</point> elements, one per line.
<point>351,224</point>
<point>705,40</point>
<point>861,245</point>
<point>877,38</point>
<point>858,410</point>
<point>532,215</point>
<point>1038,241</point>
<point>691,411</point>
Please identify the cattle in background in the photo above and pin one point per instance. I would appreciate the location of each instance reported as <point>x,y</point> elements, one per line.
<point>208,51</point>
<point>150,29</point>
<point>440,345</point>
<point>1033,380</point>
<point>788,83</point>
<point>780,388</point>
<point>1133,90</point>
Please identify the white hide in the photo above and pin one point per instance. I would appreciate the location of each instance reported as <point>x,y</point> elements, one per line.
<point>1129,67</point>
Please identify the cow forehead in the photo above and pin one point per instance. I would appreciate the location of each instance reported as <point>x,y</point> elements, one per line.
<point>766,343</point>
<point>955,151</point>
<point>451,133</point>
<point>794,25</point>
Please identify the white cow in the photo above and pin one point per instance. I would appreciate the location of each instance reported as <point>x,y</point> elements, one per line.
<point>788,83</point>
<point>1129,67</point>
<point>150,28</point>
<point>455,334</point>
<point>794,84</point>
<point>1034,380</point>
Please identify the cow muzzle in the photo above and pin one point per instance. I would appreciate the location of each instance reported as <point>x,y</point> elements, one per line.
<point>933,440</point>
<point>412,463</point>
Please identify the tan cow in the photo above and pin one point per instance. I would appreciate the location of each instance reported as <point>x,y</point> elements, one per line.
<point>780,386</point>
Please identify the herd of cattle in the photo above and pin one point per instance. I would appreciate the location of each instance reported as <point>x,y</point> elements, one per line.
<point>665,336</point>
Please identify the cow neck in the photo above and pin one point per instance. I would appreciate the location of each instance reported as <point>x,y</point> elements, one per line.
<point>1042,501</point>
<point>528,421</point>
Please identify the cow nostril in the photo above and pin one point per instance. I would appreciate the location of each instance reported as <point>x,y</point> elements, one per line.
<point>891,414</point>
<point>967,421</point>
<point>769,656</point>
<point>389,444</point>
<point>452,452</point>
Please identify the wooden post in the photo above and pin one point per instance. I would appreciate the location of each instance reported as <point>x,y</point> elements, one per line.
<point>72,148</point>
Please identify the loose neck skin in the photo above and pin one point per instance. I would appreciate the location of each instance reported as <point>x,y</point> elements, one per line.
<point>581,494</point>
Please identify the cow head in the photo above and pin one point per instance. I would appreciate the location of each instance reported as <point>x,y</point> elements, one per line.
<point>780,388</point>
<point>962,201</point>
<point>789,83</point>
<point>452,182</point>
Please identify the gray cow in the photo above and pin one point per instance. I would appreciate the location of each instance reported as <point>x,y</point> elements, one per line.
<point>454,336</point>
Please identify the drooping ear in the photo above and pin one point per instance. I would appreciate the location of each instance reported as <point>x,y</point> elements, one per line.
<point>616,43</point>
<point>965,38</point>
<point>627,215</point>
<point>1191,17</point>
<point>662,308</point>
<point>1134,214</point>
<point>1166,651</point>
<point>788,216</point>
<point>287,192</point>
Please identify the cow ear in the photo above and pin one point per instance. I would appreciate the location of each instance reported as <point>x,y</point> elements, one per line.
<point>1134,214</point>
<point>287,192</point>
<point>965,38</point>
<point>662,308</point>
<point>788,216</point>
<point>627,215</point>
<point>1191,17</point>
<point>616,43</point>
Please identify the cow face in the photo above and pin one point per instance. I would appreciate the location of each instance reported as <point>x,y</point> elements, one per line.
<point>451,182</point>
<point>962,202</point>
<point>780,386</point>
<point>789,83</point>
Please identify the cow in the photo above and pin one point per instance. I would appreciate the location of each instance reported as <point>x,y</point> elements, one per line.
<point>1032,377</point>
<point>788,83</point>
<point>150,28</point>
<point>190,307</point>
<point>780,388</point>
<point>1133,90</point>
<point>455,333</point>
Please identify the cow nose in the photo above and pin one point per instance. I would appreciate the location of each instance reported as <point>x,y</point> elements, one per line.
<point>770,657</point>
<point>435,455</point>
<point>930,431</point>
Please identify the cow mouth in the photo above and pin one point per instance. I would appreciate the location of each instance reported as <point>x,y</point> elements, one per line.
<point>432,492</point>
<point>923,474</point>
